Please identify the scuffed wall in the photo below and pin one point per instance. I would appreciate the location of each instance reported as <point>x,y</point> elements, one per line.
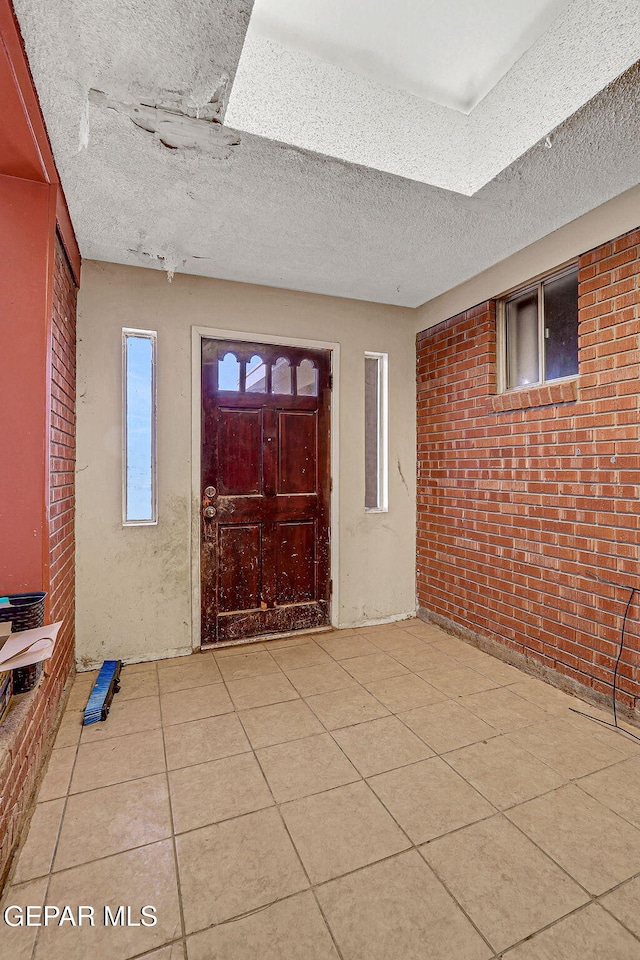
<point>134,584</point>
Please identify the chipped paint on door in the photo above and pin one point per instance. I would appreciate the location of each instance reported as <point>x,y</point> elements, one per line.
<point>265,489</point>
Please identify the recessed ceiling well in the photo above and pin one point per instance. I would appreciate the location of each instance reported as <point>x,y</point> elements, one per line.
<point>452,53</point>
<point>444,93</point>
<point>183,147</point>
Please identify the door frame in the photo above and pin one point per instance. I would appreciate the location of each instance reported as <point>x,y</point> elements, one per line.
<point>198,334</point>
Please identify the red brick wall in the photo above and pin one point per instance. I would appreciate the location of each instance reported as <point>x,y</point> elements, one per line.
<point>62,462</point>
<point>525,498</point>
<point>22,755</point>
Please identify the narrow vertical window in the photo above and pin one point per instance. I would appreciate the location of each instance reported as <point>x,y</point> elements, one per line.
<point>522,341</point>
<point>139,427</point>
<point>375,431</point>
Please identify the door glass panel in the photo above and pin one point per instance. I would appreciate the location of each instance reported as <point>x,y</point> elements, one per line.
<point>228,373</point>
<point>561,326</point>
<point>281,377</point>
<point>307,379</point>
<point>522,341</point>
<point>256,379</point>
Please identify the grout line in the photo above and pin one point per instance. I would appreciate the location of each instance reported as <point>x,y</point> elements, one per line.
<point>457,902</point>
<point>548,856</point>
<point>441,753</point>
<point>107,856</point>
<point>500,813</point>
<point>49,875</point>
<point>174,846</point>
<point>163,946</point>
<point>116,783</point>
<point>612,914</point>
<point>554,923</point>
<point>304,869</point>
<point>413,845</point>
<point>503,954</point>
<point>360,778</point>
<point>602,803</point>
<point>416,846</point>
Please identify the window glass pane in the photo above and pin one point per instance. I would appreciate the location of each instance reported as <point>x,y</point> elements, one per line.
<point>307,379</point>
<point>371,433</point>
<point>256,378</point>
<point>228,373</point>
<point>561,326</point>
<point>139,369</point>
<point>522,341</point>
<point>281,376</point>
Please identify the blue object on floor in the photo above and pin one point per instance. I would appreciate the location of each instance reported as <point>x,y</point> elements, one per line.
<point>107,683</point>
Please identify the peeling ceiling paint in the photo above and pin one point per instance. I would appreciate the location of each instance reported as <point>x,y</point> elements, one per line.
<point>131,94</point>
<point>175,124</point>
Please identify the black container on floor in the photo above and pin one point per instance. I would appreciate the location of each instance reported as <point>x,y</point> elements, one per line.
<point>26,611</point>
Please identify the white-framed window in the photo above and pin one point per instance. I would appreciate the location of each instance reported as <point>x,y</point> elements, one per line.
<point>538,331</point>
<point>376,429</point>
<point>139,480</point>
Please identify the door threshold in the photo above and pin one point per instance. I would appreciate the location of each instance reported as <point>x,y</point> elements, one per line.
<point>264,638</point>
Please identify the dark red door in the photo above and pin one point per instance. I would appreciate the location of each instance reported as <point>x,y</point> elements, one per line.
<point>265,489</point>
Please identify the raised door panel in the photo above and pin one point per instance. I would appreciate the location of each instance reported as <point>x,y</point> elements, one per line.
<point>296,562</point>
<point>240,576</point>
<point>240,452</point>
<point>297,452</point>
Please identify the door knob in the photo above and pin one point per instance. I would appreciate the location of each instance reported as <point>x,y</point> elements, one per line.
<point>210,512</point>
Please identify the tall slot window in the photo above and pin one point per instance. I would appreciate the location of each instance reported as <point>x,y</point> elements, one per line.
<point>539,331</point>
<point>139,487</point>
<point>375,432</point>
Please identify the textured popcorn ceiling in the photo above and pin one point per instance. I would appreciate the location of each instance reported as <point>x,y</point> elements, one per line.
<point>134,94</point>
<point>452,53</point>
<point>357,115</point>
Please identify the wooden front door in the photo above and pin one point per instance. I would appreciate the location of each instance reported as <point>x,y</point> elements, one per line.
<point>265,489</point>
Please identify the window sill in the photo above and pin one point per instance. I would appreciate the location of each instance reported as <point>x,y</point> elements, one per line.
<point>565,391</point>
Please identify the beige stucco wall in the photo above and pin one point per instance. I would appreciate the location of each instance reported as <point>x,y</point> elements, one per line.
<point>134,584</point>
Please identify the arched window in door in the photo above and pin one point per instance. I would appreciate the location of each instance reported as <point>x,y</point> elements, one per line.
<point>281,377</point>
<point>307,379</point>
<point>256,376</point>
<point>229,372</point>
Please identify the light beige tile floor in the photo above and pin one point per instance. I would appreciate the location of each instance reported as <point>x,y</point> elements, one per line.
<point>388,793</point>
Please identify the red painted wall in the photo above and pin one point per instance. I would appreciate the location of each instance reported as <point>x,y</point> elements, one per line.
<point>26,242</point>
<point>39,272</point>
<point>27,746</point>
<point>525,498</point>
